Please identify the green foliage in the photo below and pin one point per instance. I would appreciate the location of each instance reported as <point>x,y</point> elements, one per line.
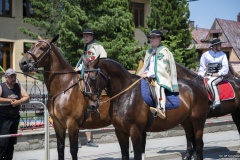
<point>110,19</point>
<point>173,16</point>
<point>39,76</point>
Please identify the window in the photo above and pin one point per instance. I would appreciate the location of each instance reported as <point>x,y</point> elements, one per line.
<point>27,9</point>
<point>138,13</point>
<point>6,8</point>
<point>215,35</point>
<point>6,58</point>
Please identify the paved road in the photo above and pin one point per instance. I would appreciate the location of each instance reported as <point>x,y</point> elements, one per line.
<point>218,145</point>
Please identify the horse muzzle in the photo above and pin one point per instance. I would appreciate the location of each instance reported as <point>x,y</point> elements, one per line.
<point>26,66</point>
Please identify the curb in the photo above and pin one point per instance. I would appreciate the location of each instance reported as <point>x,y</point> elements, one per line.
<point>34,142</point>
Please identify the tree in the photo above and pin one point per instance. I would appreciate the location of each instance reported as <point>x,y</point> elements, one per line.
<point>173,16</point>
<point>111,20</point>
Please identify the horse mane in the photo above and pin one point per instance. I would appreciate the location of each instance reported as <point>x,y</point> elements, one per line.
<point>61,58</point>
<point>119,67</point>
<point>183,72</point>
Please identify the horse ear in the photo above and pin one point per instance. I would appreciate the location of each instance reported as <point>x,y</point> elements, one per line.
<point>39,37</point>
<point>54,39</point>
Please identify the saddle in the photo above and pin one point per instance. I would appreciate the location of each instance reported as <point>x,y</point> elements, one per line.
<point>225,91</point>
<point>150,97</point>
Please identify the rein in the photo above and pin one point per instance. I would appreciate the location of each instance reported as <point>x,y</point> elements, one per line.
<point>122,91</point>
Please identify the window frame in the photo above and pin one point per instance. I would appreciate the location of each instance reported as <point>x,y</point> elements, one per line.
<point>4,12</point>
<point>139,20</point>
<point>27,10</point>
<point>4,62</point>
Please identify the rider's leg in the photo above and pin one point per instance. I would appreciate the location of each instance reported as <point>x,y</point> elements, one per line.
<point>212,83</point>
<point>161,102</point>
<point>164,99</point>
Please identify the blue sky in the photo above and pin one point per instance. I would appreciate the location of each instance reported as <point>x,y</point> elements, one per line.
<point>204,12</point>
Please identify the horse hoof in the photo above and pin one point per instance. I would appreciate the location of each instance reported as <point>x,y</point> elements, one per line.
<point>238,152</point>
<point>187,156</point>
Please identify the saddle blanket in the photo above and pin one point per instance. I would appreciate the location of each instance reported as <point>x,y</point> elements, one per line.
<point>173,101</point>
<point>226,92</point>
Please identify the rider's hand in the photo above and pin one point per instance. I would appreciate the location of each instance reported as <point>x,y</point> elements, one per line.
<point>144,75</point>
<point>76,69</point>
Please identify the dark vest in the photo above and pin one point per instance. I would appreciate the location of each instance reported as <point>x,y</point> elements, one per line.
<point>9,110</point>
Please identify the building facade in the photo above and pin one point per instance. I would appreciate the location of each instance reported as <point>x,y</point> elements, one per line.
<point>12,41</point>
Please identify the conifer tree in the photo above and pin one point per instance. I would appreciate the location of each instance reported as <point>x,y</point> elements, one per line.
<point>173,16</point>
<point>110,19</point>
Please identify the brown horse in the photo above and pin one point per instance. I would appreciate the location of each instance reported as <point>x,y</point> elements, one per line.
<point>66,103</point>
<point>131,116</point>
<point>227,107</point>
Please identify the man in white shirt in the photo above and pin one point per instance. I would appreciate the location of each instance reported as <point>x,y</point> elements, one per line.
<point>214,65</point>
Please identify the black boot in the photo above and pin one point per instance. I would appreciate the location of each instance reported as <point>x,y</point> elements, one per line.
<point>215,106</point>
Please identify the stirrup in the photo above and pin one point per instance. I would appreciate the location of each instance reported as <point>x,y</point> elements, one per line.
<point>154,111</point>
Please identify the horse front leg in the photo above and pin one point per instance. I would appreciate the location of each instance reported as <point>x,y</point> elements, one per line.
<point>137,137</point>
<point>123,140</point>
<point>144,137</point>
<point>60,134</point>
<point>189,131</point>
<point>236,119</point>
<point>198,125</point>
<point>73,131</point>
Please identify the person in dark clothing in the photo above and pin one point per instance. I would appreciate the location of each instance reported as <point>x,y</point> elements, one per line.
<point>12,95</point>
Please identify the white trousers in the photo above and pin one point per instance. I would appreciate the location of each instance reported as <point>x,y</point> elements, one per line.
<point>160,96</point>
<point>212,83</point>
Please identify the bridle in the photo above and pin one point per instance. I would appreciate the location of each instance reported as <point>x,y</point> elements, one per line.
<point>36,60</point>
<point>98,93</point>
<point>87,89</point>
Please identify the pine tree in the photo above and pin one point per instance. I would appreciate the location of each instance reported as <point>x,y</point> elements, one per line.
<point>110,19</point>
<point>173,16</point>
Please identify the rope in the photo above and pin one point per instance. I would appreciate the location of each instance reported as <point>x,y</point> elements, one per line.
<point>122,91</point>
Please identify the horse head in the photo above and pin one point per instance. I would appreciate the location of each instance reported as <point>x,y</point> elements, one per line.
<point>95,80</point>
<point>37,56</point>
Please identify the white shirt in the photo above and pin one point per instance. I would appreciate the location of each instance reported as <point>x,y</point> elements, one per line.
<point>212,57</point>
<point>150,69</point>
